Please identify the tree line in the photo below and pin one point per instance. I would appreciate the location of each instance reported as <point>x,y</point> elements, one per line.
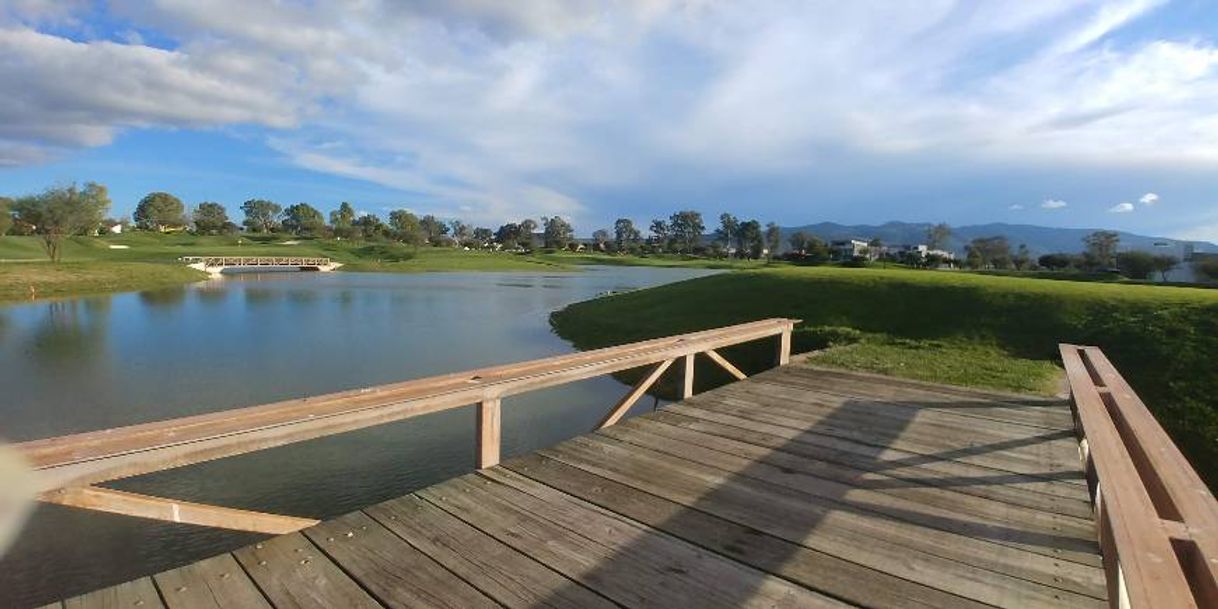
<point>1100,254</point>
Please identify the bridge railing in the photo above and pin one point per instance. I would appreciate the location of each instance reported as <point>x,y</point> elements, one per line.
<point>68,467</point>
<point>216,261</point>
<point>1158,522</point>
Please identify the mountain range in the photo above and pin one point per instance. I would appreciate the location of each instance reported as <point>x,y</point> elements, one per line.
<point>1039,239</point>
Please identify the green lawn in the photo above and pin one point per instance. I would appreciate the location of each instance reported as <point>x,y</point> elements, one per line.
<point>29,280</point>
<point>962,328</point>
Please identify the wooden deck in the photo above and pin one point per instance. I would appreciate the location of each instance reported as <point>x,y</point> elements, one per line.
<point>797,487</point>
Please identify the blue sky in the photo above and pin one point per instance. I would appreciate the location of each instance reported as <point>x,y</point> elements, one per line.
<point>1042,112</point>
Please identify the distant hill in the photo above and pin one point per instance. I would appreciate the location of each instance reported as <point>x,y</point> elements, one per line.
<point>1039,239</point>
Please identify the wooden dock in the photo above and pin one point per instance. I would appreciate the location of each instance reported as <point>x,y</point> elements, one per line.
<point>794,488</point>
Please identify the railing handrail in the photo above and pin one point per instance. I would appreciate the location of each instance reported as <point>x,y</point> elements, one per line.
<point>68,466</point>
<point>256,260</point>
<point>1158,521</point>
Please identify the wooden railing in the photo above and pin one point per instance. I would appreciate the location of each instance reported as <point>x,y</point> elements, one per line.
<point>1158,522</point>
<point>68,467</point>
<point>256,261</point>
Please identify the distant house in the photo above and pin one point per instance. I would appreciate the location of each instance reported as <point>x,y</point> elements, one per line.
<point>921,251</point>
<point>848,249</point>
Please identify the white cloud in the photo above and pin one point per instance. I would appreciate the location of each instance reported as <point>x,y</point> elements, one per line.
<point>1015,207</point>
<point>1149,198</point>
<point>1121,208</point>
<point>1052,204</point>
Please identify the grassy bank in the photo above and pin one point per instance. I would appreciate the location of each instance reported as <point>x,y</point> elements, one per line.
<point>29,280</point>
<point>997,332</point>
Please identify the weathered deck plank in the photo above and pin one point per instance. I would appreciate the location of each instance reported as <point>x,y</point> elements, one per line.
<point>793,488</point>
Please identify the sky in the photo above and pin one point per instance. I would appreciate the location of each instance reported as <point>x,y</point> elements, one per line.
<point>1083,113</point>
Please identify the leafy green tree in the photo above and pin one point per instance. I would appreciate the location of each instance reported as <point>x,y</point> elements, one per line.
<point>729,229</point>
<point>799,242</point>
<point>304,219</point>
<point>1022,258</point>
<point>937,236</point>
<point>1164,263</point>
<point>434,230</point>
<point>752,239</point>
<point>370,226</point>
<point>989,253</point>
<point>600,239</point>
<point>508,235</point>
<point>483,236</point>
<point>406,227</point>
<point>1101,247</point>
<point>261,216</point>
<point>6,215</point>
<point>661,236</point>
<point>1135,264</point>
<point>686,229</point>
<point>1056,262</point>
<point>159,211</point>
<point>556,232</point>
<point>63,211</point>
<point>210,218</point>
<point>528,226</point>
<point>773,238</point>
<point>625,236</point>
<point>343,221</point>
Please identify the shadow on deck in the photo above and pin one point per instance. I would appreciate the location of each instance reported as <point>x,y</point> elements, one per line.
<point>795,488</point>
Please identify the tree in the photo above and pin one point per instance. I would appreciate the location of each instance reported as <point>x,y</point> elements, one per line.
<point>773,238</point>
<point>1164,263</point>
<point>508,235</point>
<point>406,227</point>
<point>1207,268</point>
<point>1056,262</point>
<point>875,248</point>
<point>303,219</point>
<point>63,211</point>
<point>799,242</point>
<point>370,226</point>
<point>528,226</point>
<point>556,232</point>
<point>261,216</point>
<point>434,229</point>
<point>159,211</point>
<point>1022,258</point>
<point>1135,264</point>
<point>483,236</point>
<point>988,253</point>
<point>660,235</point>
<point>1101,247</point>
<point>625,236</point>
<point>938,235</point>
<point>462,233</point>
<point>751,239</point>
<point>729,228</point>
<point>210,218</point>
<point>343,221</point>
<point>6,215</point>
<point>686,229</point>
<point>600,238</point>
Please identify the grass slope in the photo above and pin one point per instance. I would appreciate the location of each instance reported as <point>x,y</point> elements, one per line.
<point>29,280</point>
<point>998,332</point>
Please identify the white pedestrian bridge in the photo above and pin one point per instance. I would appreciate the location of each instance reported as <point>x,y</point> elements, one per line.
<point>215,265</point>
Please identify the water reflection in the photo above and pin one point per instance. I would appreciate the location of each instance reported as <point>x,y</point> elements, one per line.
<point>86,364</point>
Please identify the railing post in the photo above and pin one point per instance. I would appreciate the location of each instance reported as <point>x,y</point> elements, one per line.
<point>488,433</point>
<point>784,345</point>
<point>687,380</point>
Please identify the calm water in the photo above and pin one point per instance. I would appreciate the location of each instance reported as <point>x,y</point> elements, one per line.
<point>90,363</point>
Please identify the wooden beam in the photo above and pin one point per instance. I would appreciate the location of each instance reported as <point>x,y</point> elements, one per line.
<point>489,432</point>
<point>633,396</point>
<point>91,457</point>
<point>1144,555</point>
<point>171,510</point>
<point>784,345</point>
<point>719,359</point>
<point>687,379</point>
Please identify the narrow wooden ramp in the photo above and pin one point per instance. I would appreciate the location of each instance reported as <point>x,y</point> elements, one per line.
<point>797,487</point>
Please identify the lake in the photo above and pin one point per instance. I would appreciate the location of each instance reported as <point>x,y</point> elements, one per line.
<point>91,363</point>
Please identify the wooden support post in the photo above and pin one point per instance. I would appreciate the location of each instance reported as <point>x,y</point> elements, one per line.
<point>722,361</point>
<point>488,432</point>
<point>784,346</point>
<point>630,398</point>
<point>171,510</point>
<point>687,380</point>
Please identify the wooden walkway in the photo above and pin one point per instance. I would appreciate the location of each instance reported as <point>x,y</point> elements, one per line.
<point>797,487</point>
